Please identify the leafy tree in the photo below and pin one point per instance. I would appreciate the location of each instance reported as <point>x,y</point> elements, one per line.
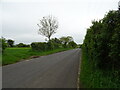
<point>79,45</point>
<point>56,42</point>
<point>72,44</point>
<point>10,42</point>
<point>3,44</point>
<point>48,26</point>
<point>66,40</point>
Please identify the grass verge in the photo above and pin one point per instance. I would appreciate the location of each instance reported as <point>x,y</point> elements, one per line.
<point>13,55</point>
<point>95,78</point>
<point>0,59</point>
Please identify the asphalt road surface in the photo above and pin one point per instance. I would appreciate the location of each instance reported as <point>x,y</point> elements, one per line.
<point>59,70</point>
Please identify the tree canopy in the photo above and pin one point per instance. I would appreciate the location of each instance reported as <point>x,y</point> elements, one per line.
<point>66,40</point>
<point>10,42</point>
<point>102,41</point>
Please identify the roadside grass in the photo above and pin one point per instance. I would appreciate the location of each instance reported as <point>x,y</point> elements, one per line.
<point>13,55</point>
<point>95,78</point>
<point>0,59</point>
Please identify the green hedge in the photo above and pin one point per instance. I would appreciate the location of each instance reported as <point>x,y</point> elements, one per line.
<point>101,53</point>
<point>102,42</point>
<point>39,46</point>
<point>43,46</point>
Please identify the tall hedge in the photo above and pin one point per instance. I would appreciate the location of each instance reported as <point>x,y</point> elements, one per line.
<point>42,46</point>
<point>102,42</point>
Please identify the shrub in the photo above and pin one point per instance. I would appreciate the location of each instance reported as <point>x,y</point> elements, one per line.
<point>22,45</point>
<point>39,46</point>
<point>43,46</point>
<point>50,45</point>
<point>56,43</point>
<point>102,42</point>
<point>3,44</point>
<point>101,51</point>
<point>72,44</point>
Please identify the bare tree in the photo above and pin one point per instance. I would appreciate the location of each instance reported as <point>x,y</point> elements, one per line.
<point>48,26</point>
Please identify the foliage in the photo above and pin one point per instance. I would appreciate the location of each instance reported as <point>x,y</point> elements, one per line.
<point>101,46</point>
<point>72,44</point>
<point>66,40</point>
<point>3,44</point>
<point>22,45</point>
<point>80,45</point>
<point>39,46</point>
<point>56,42</point>
<point>43,46</point>
<point>102,41</point>
<point>96,78</point>
<point>48,26</point>
<point>10,43</point>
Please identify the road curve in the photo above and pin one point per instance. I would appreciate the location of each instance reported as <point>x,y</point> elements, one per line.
<point>59,70</point>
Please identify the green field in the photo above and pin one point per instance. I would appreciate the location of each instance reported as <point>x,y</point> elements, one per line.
<point>12,55</point>
<point>95,78</point>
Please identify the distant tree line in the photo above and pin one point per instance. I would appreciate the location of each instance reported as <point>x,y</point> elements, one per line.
<point>47,27</point>
<point>102,42</point>
<point>22,45</point>
<point>10,43</point>
<point>54,43</point>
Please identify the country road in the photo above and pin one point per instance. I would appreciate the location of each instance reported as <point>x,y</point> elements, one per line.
<point>59,70</point>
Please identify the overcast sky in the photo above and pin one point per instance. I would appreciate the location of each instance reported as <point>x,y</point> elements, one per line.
<point>20,17</point>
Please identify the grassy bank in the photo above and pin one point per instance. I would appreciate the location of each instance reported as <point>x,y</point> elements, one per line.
<point>0,59</point>
<point>12,55</point>
<point>95,78</point>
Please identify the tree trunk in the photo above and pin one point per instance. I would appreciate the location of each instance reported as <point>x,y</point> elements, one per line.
<point>49,38</point>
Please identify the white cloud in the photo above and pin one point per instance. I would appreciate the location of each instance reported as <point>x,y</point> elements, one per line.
<point>20,17</point>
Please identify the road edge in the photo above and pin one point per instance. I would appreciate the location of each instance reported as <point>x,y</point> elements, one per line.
<point>27,59</point>
<point>79,68</point>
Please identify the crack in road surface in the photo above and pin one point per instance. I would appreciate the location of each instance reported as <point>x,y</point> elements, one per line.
<point>59,70</point>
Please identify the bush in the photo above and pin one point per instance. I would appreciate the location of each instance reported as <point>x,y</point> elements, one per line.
<point>3,44</point>
<point>22,45</point>
<point>72,44</point>
<point>80,45</point>
<point>102,42</point>
<point>56,43</point>
<point>102,53</point>
<point>43,46</point>
<point>39,46</point>
<point>50,46</point>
